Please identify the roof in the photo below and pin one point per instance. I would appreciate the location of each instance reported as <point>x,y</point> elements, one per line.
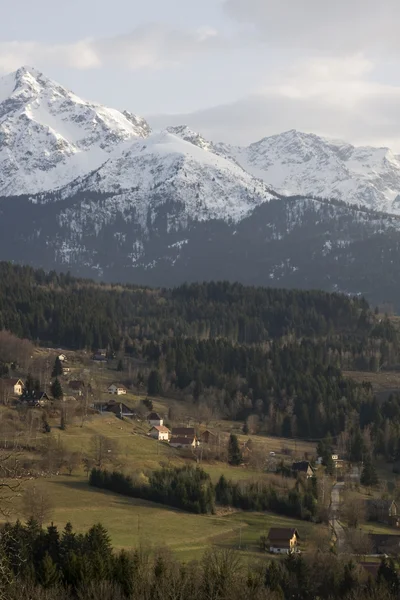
<point>118,407</point>
<point>12,381</point>
<point>385,541</point>
<point>371,568</point>
<point>33,395</point>
<point>118,385</point>
<point>302,465</point>
<point>160,428</point>
<point>378,503</point>
<point>76,384</point>
<point>207,432</point>
<point>154,417</point>
<point>282,533</point>
<point>182,441</point>
<point>183,432</point>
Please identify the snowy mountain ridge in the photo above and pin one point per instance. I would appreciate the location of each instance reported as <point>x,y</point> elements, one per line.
<point>166,169</point>
<point>51,139</point>
<point>49,136</point>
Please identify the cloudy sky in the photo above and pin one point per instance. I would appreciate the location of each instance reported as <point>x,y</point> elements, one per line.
<point>235,70</point>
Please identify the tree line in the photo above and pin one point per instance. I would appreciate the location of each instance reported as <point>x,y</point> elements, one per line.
<point>185,487</point>
<point>47,564</point>
<point>191,489</point>
<point>61,310</point>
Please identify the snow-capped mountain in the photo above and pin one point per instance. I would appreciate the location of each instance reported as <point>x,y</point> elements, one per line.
<point>49,136</point>
<point>306,164</point>
<point>165,168</point>
<point>94,191</point>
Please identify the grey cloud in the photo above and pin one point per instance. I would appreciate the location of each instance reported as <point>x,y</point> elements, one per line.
<point>150,46</point>
<point>339,25</point>
<point>373,120</point>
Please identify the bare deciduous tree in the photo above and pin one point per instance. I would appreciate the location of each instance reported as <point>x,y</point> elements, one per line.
<point>103,450</point>
<point>353,510</point>
<point>13,349</point>
<point>36,504</point>
<point>72,461</point>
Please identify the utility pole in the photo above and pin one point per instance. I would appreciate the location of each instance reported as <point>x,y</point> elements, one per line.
<point>240,536</point>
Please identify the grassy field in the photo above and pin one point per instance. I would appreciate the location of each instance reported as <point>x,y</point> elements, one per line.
<point>132,522</point>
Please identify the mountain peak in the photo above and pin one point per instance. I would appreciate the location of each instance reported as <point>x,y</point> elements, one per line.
<point>49,136</point>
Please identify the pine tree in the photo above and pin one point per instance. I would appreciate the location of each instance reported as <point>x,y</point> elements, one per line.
<point>57,369</point>
<point>48,574</point>
<point>63,425</point>
<point>56,389</point>
<point>234,453</point>
<point>154,384</point>
<point>120,365</point>
<point>368,475</point>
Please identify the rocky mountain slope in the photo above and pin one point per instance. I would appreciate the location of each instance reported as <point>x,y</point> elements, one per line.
<point>49,136</point>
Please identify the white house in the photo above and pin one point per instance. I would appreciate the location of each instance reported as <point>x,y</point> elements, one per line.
<point>117,388</point>
<point>160,433</point>
<point>62,357</point>
<point>155,420</point>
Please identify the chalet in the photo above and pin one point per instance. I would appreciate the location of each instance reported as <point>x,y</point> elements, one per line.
<point>183,442</point>
<point>35,398</point>
<point>117,388</point>
<point>383,511</point>
<point>155,420</point>
<point>160,432</point>
<point>100,355</point>
<point>207,437</point>
<point>283,540</point>
<point>66,370</point>
<point>383,543</point>
<point>120,410</point>
<point>77,385</point>
<point>62,357</point>
<point>303,467</point>
<point>13,386</point>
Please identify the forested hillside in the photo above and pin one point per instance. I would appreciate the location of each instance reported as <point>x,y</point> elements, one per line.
<point>238,352</point>
<point>58,309</point>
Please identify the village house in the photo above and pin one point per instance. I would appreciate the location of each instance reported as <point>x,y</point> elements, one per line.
<point>183,442</point>
<point>303,467</point>
<point>77,385</point>
<point>117,388</point>
<point>35,398</point>
<point>62,357</point>
<point>160,433</point>
<point>155,420</point>
<point>382,511</point>
<point>383,543</point>
<point>283,540</point>
<point>100,355</point>
<point>120,410</point>
<point>13,386</point>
